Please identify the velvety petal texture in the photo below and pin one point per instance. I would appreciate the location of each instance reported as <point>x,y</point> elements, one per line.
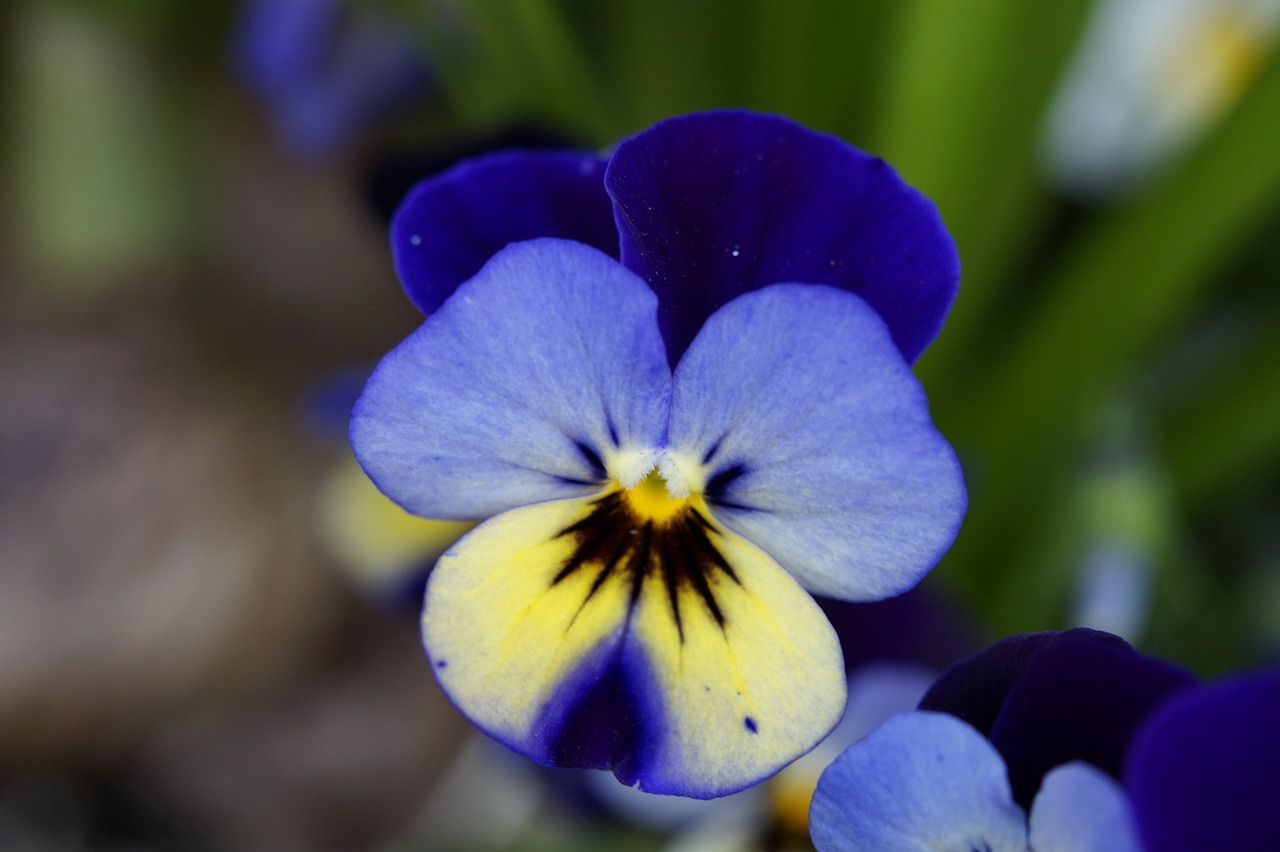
<point>798,416</point>
<point>921,781</point>
<point>1082,809</point>
<point>1045,699</point>
<point>451,224</point>
<point>715,204</point>
<point>584,646</point>
<point>1079,700</point>
<point>544,370</point>
<point>976,688</point>
<point>1204,770</point>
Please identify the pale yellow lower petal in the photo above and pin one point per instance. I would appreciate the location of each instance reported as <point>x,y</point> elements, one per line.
<point>714,704</point>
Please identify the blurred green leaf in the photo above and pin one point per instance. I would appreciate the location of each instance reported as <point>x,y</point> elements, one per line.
<point>668,57</point>
<point>1139,272</point>
<point>96,192</point>
<point>505,60</point>
<point>965,94</point>
<point>818,62</point>
<point>1232,431</point>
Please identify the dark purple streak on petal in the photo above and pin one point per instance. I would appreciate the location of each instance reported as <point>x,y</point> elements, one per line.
<point>450,225</point>
<point>714,204</point>
<point>607,715</point>
<point>1203,770</point>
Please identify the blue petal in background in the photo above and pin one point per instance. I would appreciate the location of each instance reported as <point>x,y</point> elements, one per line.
<point>1204,769</point>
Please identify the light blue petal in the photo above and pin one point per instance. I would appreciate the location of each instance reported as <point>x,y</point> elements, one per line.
<point>797,414</point>
<point>877,692</point>
<point>920,781</point>
<point>536,376</point>
<point>1080,808</point>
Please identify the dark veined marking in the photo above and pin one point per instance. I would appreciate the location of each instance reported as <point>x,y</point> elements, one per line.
<point>719,483</point>
<point>613,540</point>
<point>591,457</point>
<point>711,452</point>
<point>722,479</point>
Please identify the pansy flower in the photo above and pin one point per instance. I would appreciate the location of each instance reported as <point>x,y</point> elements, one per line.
<point>1045,699</point>
<point>637,598</point>
<point>1020,746</point>
<point>927,780</point>
<point>1168,764</point>
<point>1013,748</point>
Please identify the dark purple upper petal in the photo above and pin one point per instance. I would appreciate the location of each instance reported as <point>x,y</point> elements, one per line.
<point>714,204</point>
<point>1079,699</point>
<point>449,225</point>
<point>976,687</point>
<point>1203,770</point>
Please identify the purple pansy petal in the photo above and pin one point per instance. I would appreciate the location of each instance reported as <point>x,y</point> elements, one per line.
<point>1204,769</point>
<point>798,418</point>
<point>1080,699</point>
<point>919,781</point>
<point>449,225</point>
<point>714,204</point>
<point>527,385</point>
<point>976,687</point>
<point>1082,809</point>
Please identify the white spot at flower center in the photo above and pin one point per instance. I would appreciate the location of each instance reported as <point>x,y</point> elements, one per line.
<point>682,475</point>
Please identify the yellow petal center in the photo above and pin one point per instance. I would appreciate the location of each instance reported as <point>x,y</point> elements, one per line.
<point>650,500</point>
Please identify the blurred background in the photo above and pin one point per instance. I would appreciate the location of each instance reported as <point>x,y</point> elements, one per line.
<point>207,635</point>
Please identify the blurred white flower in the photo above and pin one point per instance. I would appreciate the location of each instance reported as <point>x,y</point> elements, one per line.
<point>1148,76</point>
